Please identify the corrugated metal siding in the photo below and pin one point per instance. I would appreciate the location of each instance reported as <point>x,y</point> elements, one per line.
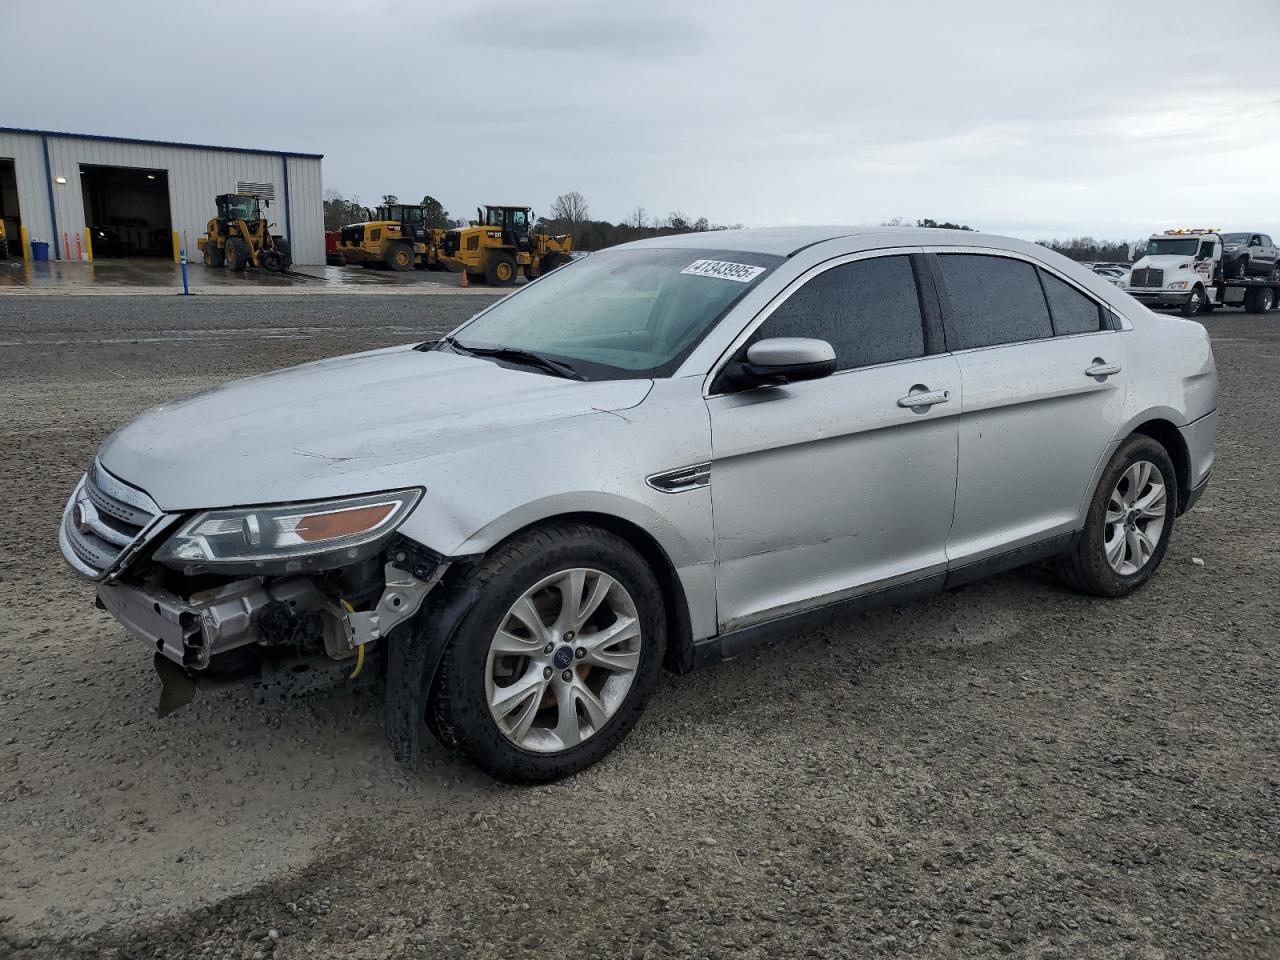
<point>33,197</point>
<point>306,207</point>
<point>195,177</point>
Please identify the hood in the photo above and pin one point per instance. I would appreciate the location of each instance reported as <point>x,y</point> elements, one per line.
<point>1167,262</point>
<point>354,424</point>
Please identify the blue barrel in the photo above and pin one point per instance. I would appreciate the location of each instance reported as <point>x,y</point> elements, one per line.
<point>40,250</point>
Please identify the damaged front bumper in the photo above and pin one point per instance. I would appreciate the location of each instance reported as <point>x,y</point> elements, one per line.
<point>189,635</point>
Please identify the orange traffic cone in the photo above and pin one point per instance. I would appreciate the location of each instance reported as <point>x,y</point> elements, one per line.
<point>464,279</point>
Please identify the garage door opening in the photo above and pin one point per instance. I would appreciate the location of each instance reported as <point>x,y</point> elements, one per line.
<point>9,212</point>
<point>128,211</point>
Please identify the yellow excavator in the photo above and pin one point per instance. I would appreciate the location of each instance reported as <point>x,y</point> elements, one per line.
<point>395,237</point>
<point>239,236</point>
<point>499,245</point>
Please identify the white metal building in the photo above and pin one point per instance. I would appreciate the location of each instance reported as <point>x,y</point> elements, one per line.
<point>101,197</point>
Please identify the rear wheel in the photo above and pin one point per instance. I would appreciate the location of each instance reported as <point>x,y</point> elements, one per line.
<point>1129,522</point>
<point>212,254</point>
<point>1194,302</point>
<point>1260,300</point>
<point>500,271</point>
<point>235,254</point>
<point>400,257</point>
<point>553,665</point>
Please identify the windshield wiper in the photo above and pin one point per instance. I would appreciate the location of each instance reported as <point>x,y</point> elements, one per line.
<point>515,355</point>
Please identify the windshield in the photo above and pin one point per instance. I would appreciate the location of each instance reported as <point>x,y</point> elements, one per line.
<point>241,208</point>
<point>621,313</point>
<point>1235,237</point>
<point>1170,246</point>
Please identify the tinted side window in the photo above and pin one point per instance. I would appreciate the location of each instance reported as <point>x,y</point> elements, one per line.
<point>868,310</point>
<point>993,300</point>
<point>1072,311</point>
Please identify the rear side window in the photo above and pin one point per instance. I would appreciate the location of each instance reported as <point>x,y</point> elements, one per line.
<point>868,310</point>
<point>993,300</point>
<point>1072,311</point>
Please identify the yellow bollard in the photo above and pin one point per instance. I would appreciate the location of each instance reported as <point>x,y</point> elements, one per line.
<point>88,243</point>
<point>26,241</point>
<point>177,247</point>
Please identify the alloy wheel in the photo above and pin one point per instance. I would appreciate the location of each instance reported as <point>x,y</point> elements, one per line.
<point>1135,518</point>
<point>562,660</point>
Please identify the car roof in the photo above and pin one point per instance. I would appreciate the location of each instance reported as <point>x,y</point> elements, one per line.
<point>787,241</point>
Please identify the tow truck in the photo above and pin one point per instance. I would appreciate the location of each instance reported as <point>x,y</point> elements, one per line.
<point>1183,268</point>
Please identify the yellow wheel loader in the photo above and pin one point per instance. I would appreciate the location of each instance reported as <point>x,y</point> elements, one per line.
<point>396,237</point>
<point>239,236</point>
<point>500,245</point>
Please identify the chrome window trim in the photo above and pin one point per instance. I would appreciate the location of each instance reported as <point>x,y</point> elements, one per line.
<point>1125,323</point>
<point>781,297</point>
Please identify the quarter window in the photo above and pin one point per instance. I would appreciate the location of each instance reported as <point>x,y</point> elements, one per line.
<point>868,310</point>
<point>993,300</point>
<point>1072,311</point>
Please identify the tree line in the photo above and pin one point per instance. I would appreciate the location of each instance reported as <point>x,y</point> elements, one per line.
<point>570,214</point>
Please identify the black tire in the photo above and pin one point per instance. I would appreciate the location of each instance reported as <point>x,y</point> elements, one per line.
<point>1260,300</point>
<point>270,261</point>
<point>1086,567</point>
<point>1240,268</point>
<point>400,257</point>
<point>4,248</point>
<point>1195,301</point>
<point>213,256</point>
<point>286,253</point>
<point>458,710</point>
<point>235,254</point>
<point>500,270</point>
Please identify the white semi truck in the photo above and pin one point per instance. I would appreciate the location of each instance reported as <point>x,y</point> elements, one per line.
<point>1184,268</point>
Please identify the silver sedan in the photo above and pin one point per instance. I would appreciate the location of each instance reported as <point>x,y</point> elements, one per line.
<point>662,454</point>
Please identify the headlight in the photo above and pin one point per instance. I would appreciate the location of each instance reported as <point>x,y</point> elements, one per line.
<point>1178,285</point>
<point>291,537</point>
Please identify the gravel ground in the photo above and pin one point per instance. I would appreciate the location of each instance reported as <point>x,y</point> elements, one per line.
<point>1006,769</point>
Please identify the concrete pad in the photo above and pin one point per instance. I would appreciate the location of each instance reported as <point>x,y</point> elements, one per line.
<point>140,277</point>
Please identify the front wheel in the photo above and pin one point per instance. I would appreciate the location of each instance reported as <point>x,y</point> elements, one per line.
<point>400,257</point>
<point>1129,522</point>
<point>1194,302</point>
<point>555,662</point>
<point>235,254</point>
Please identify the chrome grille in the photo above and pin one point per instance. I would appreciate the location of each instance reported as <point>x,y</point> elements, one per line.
<point>1146,277</point>
<point>104,521</point>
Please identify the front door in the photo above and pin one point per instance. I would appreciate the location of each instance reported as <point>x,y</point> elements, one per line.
<point>831,488</point>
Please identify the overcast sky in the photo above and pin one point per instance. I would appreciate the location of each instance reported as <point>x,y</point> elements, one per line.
<point>1036,119</point>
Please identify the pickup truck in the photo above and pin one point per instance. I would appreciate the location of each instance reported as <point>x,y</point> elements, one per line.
<point>1249,255</point>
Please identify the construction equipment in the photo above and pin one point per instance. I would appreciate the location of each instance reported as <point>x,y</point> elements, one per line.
<point>499,244</point>
<point>4,242</point>
<point>396,237</point>
<point>240,236</point>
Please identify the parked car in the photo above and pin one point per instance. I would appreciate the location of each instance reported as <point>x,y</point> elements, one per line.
<point>1249,255</point>
<point>516,523</point>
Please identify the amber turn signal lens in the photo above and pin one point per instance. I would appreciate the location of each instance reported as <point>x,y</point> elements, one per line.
<point>342,523</point>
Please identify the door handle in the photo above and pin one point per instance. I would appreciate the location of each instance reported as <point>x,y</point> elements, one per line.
<point>1100,369</point>
<point>922,398</point>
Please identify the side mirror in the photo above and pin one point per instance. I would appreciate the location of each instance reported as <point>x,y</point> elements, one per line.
<point>782,360</point>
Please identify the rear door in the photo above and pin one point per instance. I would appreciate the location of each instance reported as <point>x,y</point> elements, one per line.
<point>1044,383</point>
<point>832,488</point>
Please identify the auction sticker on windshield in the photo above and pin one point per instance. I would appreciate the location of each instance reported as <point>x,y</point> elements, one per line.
<point>724,269</point>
